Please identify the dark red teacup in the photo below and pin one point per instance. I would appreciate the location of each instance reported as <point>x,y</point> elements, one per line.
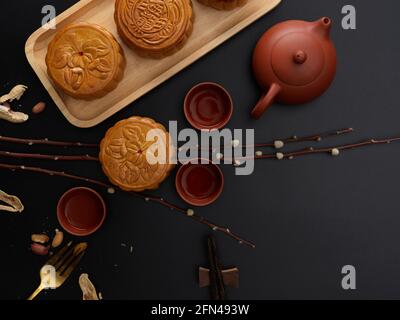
<point>81,211</point>
<point>200,184</point>
<point>208,106</point>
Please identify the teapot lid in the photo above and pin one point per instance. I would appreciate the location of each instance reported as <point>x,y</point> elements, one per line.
<point>297,59</point>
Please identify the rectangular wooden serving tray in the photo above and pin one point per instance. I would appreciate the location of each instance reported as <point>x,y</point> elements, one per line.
<point>211,28</point>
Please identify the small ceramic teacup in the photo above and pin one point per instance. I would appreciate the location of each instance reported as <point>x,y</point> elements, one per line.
<point>208,106</point>
<point>81,211</point>
<point>200,182</point>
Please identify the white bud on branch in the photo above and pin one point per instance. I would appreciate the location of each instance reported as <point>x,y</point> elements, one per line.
<point>279,144</point>
<point>335,152</point>
<point>235,143</point>
<point>280,155</point>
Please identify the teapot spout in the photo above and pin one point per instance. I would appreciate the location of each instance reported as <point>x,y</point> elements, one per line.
<point>322,27</point>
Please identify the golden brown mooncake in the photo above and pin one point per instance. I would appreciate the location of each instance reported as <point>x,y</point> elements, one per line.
<point>128,154</point>
<point>85,61</point>
<point>154,27</point>
<point>223,4</point>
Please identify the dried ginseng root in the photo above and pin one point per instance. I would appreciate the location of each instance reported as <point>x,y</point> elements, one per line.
<point>87,287</point>
<point>13,204</point>
<point>15,94</point>
<point>12,116</point>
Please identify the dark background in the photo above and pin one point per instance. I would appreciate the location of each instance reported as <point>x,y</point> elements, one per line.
<point>309,217</point>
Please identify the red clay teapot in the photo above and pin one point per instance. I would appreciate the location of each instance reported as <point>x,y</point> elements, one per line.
<point>294,62</point>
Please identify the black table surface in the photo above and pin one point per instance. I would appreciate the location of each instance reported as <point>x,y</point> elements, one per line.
<point>309,217</point>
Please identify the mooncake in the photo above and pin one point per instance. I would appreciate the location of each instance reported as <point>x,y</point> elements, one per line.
<point>136,154</point>
<point>154,27</point>
<point>223,4</point>
<point>85,61</point>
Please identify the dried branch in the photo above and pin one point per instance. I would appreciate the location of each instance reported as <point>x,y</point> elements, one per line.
<point>18,155</point>
<point>278,143</point>
<point>315,137</point>
<point>52,173</point>
<point>187,212</point>
<point>334,151</point>
<point>48,142</point>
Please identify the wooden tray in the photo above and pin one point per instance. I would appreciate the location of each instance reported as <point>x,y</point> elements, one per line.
<point>211,28</point>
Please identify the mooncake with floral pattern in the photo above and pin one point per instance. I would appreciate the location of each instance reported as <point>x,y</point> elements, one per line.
<point>137,154</point>
<point>85,61</point>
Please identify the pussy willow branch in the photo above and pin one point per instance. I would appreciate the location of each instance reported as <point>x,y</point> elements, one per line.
<point>294,139</point>
<point>48,142</point>
<point>335,150</point>
<point>314,137</point>
<point>17,155</point>
<point>188,213</point>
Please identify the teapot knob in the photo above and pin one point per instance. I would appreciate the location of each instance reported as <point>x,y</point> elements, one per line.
<point>300,57</point>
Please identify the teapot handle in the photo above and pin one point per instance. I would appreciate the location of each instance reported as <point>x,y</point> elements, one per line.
<point>265,101</point>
